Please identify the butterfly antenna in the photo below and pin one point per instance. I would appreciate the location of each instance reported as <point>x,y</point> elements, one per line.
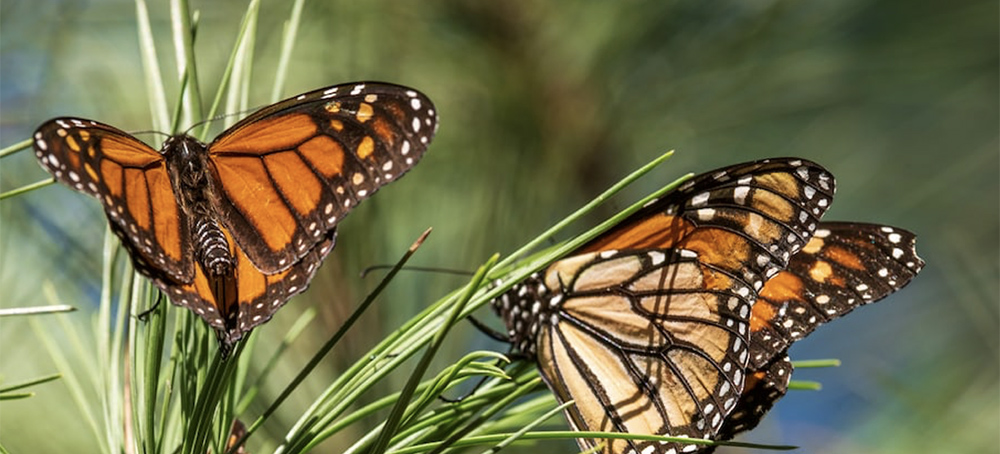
<point>223,116</point>
<point>150,131</point>
<point>209,120</point>
<point>429,269</point>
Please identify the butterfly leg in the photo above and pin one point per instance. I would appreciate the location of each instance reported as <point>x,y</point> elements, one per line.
<point>492,333</point>
<point>142,316</point>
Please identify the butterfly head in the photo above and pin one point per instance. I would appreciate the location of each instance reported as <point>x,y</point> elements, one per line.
<point>182,148</point>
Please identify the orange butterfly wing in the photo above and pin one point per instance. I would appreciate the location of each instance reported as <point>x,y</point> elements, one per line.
<point>844,266</point>
<point>646,327</point>
<point>236,431</point>
<point>291,171</point>
<point>256,296</point>
<point>748,219</point>
<point>132,183</point>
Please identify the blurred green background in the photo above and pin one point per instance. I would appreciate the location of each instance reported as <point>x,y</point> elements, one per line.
<point>542,106</point>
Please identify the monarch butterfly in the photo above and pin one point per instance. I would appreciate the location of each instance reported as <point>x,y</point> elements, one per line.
<point>232,229</point>
<point>677,321</point>
<point>236,431</point>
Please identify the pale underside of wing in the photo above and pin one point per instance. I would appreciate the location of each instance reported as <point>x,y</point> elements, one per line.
<point>659,346</point>
<point>648,342</point>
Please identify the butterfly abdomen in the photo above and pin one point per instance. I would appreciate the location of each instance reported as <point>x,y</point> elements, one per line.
<point>212,247</point>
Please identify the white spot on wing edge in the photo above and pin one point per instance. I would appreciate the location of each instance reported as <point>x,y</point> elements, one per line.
<point>700,199</point>
<point>740,194</point>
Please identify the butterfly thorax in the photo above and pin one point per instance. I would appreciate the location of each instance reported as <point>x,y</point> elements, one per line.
<point>190,174</point>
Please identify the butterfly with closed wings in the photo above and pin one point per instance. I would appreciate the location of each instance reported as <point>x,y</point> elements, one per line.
<point>676,322</point>
<point>232,229</point>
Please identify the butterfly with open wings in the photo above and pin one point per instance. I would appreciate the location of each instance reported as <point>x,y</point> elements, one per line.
<point>677,321</point>
<point>232,229</point>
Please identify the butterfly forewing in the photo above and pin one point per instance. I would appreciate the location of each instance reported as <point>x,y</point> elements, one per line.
<point>315,157</point>
<point>132,183</point>
<point>748,218</point>
<point>845,265</point>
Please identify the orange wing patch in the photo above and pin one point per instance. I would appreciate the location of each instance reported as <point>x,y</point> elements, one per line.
<point>365,112</point>
<point>295,180</point>
<point>283,132</point>
<point>137,197</point>
<point>127,151</point>
<point>644,232</point>
<point>366,148</point>
<point>848,265</point>
<point>325,155</point>
<point>246,184</point>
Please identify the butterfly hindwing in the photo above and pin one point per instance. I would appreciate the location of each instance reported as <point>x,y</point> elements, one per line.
<point>630,343</point>
<point>762,390</point>
<point>131,181</point>
<point>257,296</point>
<point>845,265</point>
<point>291,171</point>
